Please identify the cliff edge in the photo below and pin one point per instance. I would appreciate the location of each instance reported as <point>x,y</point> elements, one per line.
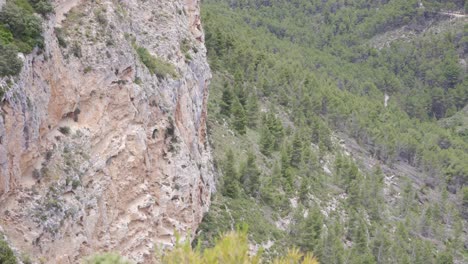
<point>102,135</point>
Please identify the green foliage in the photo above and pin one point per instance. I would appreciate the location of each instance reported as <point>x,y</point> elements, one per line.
<point>267,141</point>
<point>309,73</point>
<point>239,117</point>
<point>100,16</point>
<point>310,230</point>
<point>59,32</point>
<point>250,175</point>
<point>252,109</point>
<point>445,258</point>
<point>10,63</point>
<point>65,130</point>
<point>231,181</point>
<point>226,213</point>
<point>42,7</point>
<point>20,30</point>
<point>18,16</point>
<point>154,64</point>
<point>5,35</point>
<point>75,49</point>
<point>26,259</point>
<point>231,248</point>
<point>6,254</point>
<point>226,102</point>
<point>185,47</point>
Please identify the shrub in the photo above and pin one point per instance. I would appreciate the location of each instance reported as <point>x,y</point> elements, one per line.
<point>64,130</point>
<point>25,5</point>
<point>42,7</point>
<point>76,50</point>
<point>10,64</point>
<point>185,48</point>
<point>19,19</point>
<point>87,69</point>
<point>75,184</point>
<point>20,30</point>
<point>155,65</point>
<point>60,34</point>
<point>100,16</point>
<point>6,254</point>
<point>232,248</point>
<point>5,35</point>
<point>26,258</point>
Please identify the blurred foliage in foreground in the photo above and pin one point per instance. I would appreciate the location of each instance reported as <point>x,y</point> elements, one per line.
<point>231,248</point>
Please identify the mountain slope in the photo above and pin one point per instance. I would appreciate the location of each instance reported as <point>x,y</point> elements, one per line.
<point>329,144</point>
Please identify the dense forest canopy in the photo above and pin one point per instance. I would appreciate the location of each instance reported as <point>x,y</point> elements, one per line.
<point>299,81</point>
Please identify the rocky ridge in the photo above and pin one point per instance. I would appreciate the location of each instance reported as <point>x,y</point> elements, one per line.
<point>96,152</point>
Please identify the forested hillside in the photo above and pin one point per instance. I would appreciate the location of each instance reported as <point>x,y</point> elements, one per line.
<point>339,127</point>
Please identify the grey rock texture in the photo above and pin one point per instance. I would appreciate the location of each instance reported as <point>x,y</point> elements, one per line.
<point>96,153</point>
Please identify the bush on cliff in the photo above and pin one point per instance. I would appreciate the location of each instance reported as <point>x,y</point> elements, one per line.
<point>10,63</point>
<point>6,254</point>
<point>155,65</point>
<point>20,31</point>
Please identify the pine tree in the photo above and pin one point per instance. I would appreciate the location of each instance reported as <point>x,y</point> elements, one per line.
<point>438,103</point>
<point>311,230</point>
<point>250,176</point>
<point>241,94</point>
<point>275,127</point>
<point>304,189</point>
<point>252,111</point>
<point>231,182</point>
<point>332,250</point>
<point>239,117</point>
<point>452,72</point>
<point>296,152</point>
<point>226,101</point>
<point>266,141</point>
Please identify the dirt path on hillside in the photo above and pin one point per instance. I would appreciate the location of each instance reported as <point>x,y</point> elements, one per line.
<point>455,15</point>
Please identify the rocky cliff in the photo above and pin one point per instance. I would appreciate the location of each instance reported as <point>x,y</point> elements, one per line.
<point>97,151</point>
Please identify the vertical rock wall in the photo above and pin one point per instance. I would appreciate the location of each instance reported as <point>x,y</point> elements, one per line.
<point>97,153</point>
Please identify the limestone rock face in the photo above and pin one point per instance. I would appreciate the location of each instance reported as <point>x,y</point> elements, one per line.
<point>96,152</point>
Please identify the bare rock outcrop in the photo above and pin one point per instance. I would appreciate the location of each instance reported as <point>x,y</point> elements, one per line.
<point>97,153</point>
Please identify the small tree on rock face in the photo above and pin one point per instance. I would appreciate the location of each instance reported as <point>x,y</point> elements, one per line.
<point>6,254</point>
<point>10,64</point>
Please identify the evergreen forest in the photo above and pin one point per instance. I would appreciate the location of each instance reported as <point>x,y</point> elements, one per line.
<point>340,127</point>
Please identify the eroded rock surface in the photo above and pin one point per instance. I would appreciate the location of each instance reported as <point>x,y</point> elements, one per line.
<point>97,153</point>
